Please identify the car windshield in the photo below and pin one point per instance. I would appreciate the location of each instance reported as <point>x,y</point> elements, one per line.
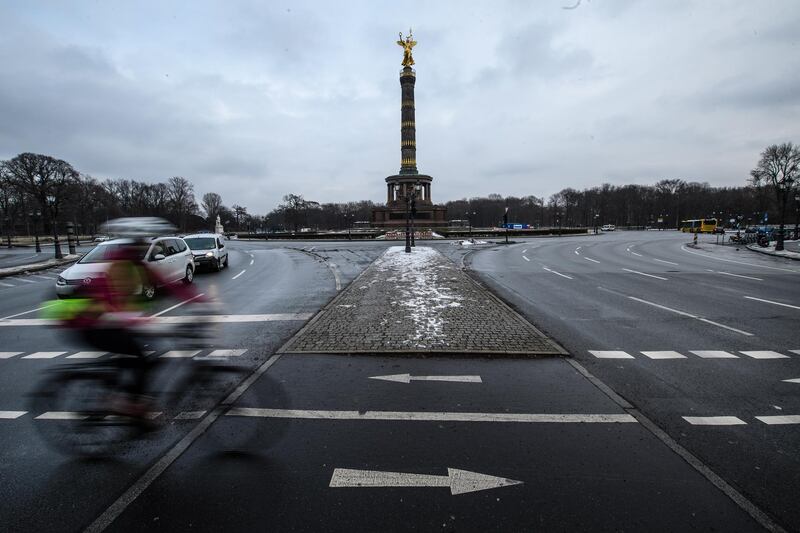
<point>201,243</point>
<point>102,254</point>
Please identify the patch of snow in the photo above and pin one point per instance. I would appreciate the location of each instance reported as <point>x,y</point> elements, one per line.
<point>418,276</point>
<point>469,242</point>
<point>436,235</point>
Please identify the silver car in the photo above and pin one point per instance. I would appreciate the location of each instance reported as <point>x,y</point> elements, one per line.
<point>208,250</point>
<point>170,257</point>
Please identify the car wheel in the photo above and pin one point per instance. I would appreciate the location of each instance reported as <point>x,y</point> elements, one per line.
<point>189,275</point>
<point>148,292</point>
<point>226,260</point>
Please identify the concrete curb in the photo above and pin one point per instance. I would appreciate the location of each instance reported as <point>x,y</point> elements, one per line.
<point>36,267</point>
<point>756,248</point>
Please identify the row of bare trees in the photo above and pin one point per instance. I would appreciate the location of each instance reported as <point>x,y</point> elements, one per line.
<point>40,194</point>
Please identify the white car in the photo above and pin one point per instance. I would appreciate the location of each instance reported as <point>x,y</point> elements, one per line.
<point>170,257</point>
<point>608,227</point>
<point>208,250</point>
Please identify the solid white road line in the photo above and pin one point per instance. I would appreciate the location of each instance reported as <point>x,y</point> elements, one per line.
<point>739,262</point>
<point>735,275</point>
<point>664,355</point>
<point>239,274</point>
<point>715,420</point>
<point>785,419</point>
<point>796,352</point>
<point>44,355</point>
<point>431,416</point>
<point>180,354</point>
<point>525,258</point>
<point>459,481</point>
<point>612,354</point>
<point>24,280</point>
<point>226,353</point>
<point>8,355</point>
<point>4,284</point>
<point>714,354</point>
<point>408,378</point>
<point>637,255</point>
<point>590,259</point>
<point>10,415</point>
<point>168,309</point>
<point>27,312</point>
<point>86,355</point>
<point>795,380</point>
<point>643,274</point>
<point>764,354</point>
<point>206,319</point>
<point>689,315</point>
<point>771,302</point>
<point>557,273</point>
<point>667,262</point>
<point>190,415</point>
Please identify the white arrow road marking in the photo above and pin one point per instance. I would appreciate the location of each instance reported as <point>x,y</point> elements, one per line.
<point>459,481</point>
<point>529,418</point>
<point>795,380</point>
<point>771,302</point>
<point>408,378</point>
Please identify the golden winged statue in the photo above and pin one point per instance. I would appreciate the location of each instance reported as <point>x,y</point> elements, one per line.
<point>407,45</point>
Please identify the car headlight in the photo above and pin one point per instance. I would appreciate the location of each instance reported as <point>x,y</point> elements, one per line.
<point>210,254</point>
<point>61,281</point>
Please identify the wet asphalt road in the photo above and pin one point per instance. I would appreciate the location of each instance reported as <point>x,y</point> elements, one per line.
<point>588,476</point>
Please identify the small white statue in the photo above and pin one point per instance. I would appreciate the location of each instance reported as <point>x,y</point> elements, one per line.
<point>218,226</point>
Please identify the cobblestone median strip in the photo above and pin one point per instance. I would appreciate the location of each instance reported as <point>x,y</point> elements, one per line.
<point>419,303</point>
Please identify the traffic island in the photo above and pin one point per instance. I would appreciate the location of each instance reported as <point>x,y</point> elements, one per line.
<point>36,267</point>
<point>419,302</point>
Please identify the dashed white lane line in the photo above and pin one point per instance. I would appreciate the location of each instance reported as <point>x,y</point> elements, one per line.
<point>44,355</point>
<point>557,273</point>
<point>239,274</point>
<point>168,309</point>
<point>784,419</point>
<point>637,255</point>
<point>796,352</point>
<point>764,354</point>
<point>590,259</point>
<point>689,315</point>
<point>62,415</point>
<point>668,354</point>
<point>24,280</point>
<point>252,261</point>
<point>739,262</point>
<point>610,354</point>
<point>773,303</point>
<point>227,353</point>
<point>432,416</point>
<point>86,355</point>
<point>667,262</point>
<point>714,354</point>
<point>715,420</point>
<point>4,284</point>
<point>733,275</point>
<point>9,355</point>
<point>525,251</point>
<point>644,274</point>
<point>179,354</point>
<point>42,277</point>
<point>525,258</point>
<point>793,380</point>
<point>10,415</point>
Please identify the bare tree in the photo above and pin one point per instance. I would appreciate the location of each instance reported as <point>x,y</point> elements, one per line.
<point>46,179</point>
<point>211,204</point>
<point>181,198</point>
<point>779,167</point>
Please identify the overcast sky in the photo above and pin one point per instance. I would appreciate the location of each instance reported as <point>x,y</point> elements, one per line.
<point>255,100</point>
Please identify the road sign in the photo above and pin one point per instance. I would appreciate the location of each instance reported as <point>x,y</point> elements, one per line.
<point>459,481</point>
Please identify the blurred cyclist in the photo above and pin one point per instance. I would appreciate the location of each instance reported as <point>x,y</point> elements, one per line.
<point>110,315</point>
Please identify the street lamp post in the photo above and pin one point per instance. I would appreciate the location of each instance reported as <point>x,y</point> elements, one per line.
<point>596,216</point>
<point>469,216</point>
<point>35,215</point>
<point>796,215</point>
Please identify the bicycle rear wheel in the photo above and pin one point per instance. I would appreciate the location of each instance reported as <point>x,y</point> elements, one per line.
<point>74,416</point>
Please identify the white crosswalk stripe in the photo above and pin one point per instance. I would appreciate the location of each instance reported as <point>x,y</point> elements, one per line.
<point>86,355</point>
<point>227,353</point>
<point>44,355</point>
<point>715,420</point>
<point>172,354</point>
<point>8,355</point>
<point>779,419</point>
<point>702,354</point>
<point>177,354</point>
